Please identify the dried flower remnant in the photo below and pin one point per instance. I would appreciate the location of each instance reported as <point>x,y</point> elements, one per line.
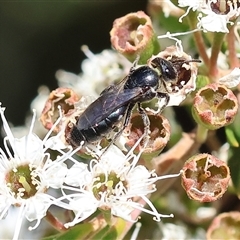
<point>67,122</point>
<point>157,139</point>
<point>205,178</point>
<point>186,73</point>
<point>132,35</point>
<point>64,97</point>
<point>225,226</point>
<point>225,7</point>
<point>214,106</point>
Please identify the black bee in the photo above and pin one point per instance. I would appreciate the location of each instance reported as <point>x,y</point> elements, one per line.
<point>116,102</point>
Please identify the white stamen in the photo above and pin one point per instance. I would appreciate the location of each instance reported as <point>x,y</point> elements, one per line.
<point>178,42</point>
<point>136,231</point>
<point>85,49</point>
<point>54,125</point>
<point>6,127</point>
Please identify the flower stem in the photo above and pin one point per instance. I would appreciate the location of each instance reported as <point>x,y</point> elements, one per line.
<point>201,134</point>
<point>173,160</point>
<point>233,60</point>
<point>216,47</point>
<point>55,222</point>
<point>198,38</point>
<point>107,216</point>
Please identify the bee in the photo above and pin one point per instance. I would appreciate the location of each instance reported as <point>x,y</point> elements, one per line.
<point>117,101</point>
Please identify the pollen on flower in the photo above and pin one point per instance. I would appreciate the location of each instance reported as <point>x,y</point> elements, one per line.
<point>20,182</point>
<point>26,173</point>
<point>117,186</point>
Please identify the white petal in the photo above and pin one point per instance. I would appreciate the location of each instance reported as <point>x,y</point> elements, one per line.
<point>29,148</point>
<point>55,143</point>
<point>83,206</point>
<point>232,79</point>
<point>5,203</point>
<point>138,173</point>
<point>37,207</point>
<point>122,210</point>
<point>214,23</point>
<point>78,175</point>
<point>194,4</point>
<point>56,175</point>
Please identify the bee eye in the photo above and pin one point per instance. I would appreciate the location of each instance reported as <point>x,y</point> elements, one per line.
<point>168,71</point>
<point>166,68</point>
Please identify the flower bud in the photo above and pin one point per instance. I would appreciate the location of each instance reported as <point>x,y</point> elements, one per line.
<point>132,35</point>
<point>214,106</point>
<point>205,178</point>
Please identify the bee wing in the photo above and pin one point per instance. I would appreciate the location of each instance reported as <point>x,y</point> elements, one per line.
<point>106,104</point>
<point>116,88</point>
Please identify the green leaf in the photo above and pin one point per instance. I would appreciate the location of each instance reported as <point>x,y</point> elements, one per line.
<point>201,81</point>
<point>231,137</point>
<point>234,165</point>
<point>77,232</point>
<point>113,232</point>
<point>233,131</point>
<point>171,24</point>
<point>101,234</point>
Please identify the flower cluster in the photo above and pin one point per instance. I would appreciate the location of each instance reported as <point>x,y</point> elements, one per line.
<point>114,183</point>
<point>98,161</point>
<point>28,172</point>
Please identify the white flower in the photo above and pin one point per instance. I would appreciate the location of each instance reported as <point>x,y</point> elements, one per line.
<point>232,79</point>
<point>98,72</point>
<point>113,183</point>
<point>214,15</point>
<point>213,22</point>
<point>26,173</point>
<point>192,5</point>
<point>8,226</point>
<point>167,6</point>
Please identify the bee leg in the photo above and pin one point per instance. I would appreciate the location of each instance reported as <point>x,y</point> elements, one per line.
<point>125,123</point>
<point>146,123</point>
<point>167,99</point>
<point>135,63</point>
